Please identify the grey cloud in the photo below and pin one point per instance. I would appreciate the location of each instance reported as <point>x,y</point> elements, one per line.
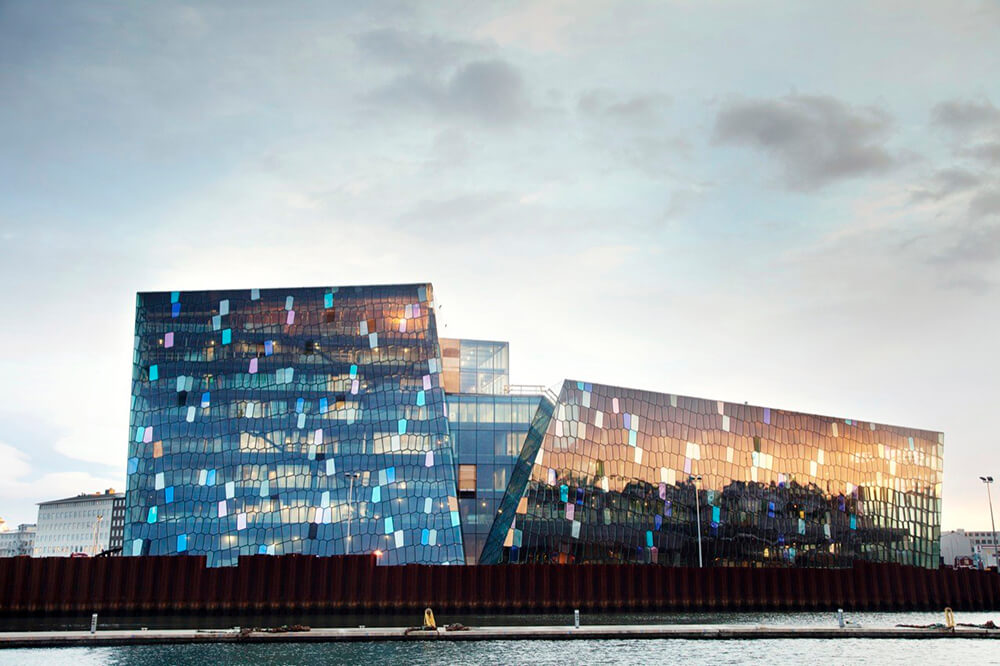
<point>460,210</point>
<point>988,152</point>
<point>421,52</point>
<point>985,203</point>
<point>963,115</point>
<point>979,244</point>
<point>976,239</point>
<point>490,92</point>
<point>817,140</point>
<point>493,91</point>
<point>947,182</point>
<point>607,105</point>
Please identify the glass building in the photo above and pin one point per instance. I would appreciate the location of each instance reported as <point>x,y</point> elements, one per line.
<point>291,421</point>
<point>616,475</point>
<point>333,420</point>
<point>488,425</point>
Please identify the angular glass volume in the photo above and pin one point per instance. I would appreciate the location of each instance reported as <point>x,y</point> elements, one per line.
<point>327,421</point>
<point>619,475</point>
<point>290,421</point>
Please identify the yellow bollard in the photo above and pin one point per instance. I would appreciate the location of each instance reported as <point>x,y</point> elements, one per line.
<point>949,618</point>
<point>429,622</point>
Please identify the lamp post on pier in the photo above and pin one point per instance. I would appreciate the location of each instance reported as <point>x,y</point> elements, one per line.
<point>988,480</point>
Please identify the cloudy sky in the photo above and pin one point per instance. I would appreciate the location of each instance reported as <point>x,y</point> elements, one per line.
<point>791,204</point>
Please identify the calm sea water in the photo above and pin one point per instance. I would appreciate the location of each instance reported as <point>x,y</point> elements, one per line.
<point>817,652</point>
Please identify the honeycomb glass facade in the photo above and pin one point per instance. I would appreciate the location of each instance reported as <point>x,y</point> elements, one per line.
<point>618,475</point>
<point>333,420</point>
<point>290,421</point>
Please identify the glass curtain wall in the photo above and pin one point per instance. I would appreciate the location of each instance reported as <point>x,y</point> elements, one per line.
<point>633,476</point>
<point>274,421</point>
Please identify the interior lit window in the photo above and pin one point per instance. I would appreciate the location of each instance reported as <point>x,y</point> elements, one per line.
<point>466,480</point>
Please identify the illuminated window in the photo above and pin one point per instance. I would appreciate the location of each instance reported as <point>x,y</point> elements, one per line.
<point>466,480</point>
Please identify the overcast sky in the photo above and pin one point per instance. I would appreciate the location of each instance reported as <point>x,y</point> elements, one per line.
<point>791,204</point>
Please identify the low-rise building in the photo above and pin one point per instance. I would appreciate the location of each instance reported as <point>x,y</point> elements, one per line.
<point>985,543</point>
<point>956,547</point>
<point>960,548</point>
<point>81,524</point>
<point>16,542</point>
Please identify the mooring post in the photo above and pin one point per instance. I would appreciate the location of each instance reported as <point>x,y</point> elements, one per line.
<point>840,617</point>
<point>93,623</point>
<point>576,619</point>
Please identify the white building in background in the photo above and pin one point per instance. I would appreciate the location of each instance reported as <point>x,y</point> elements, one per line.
<point>80,524</point>
<point>954,545</point>
<point>16,542</point>
<point>979,546</point>
<point>985,543</point>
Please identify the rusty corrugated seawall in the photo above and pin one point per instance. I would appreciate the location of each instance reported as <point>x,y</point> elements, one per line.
<point>354,583</point>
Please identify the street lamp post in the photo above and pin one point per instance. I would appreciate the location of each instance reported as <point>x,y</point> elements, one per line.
<point>350,505</point>
<point>697,513</point>
<point>989,497</point>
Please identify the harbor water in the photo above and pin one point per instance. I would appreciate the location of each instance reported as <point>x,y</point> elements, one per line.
<point>607,651</point>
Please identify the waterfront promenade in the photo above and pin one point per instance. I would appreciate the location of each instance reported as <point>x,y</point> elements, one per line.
<point>356,634</point>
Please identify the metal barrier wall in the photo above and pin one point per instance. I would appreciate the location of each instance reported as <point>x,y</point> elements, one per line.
<point>354,583</point>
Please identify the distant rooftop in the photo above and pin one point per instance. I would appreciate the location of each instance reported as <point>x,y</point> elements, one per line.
<point>86,497</point>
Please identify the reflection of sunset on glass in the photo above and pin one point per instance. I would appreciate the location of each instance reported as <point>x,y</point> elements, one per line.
<point>612,477</point>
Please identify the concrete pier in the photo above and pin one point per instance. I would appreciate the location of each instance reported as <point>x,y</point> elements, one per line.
<point>333,635</point>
